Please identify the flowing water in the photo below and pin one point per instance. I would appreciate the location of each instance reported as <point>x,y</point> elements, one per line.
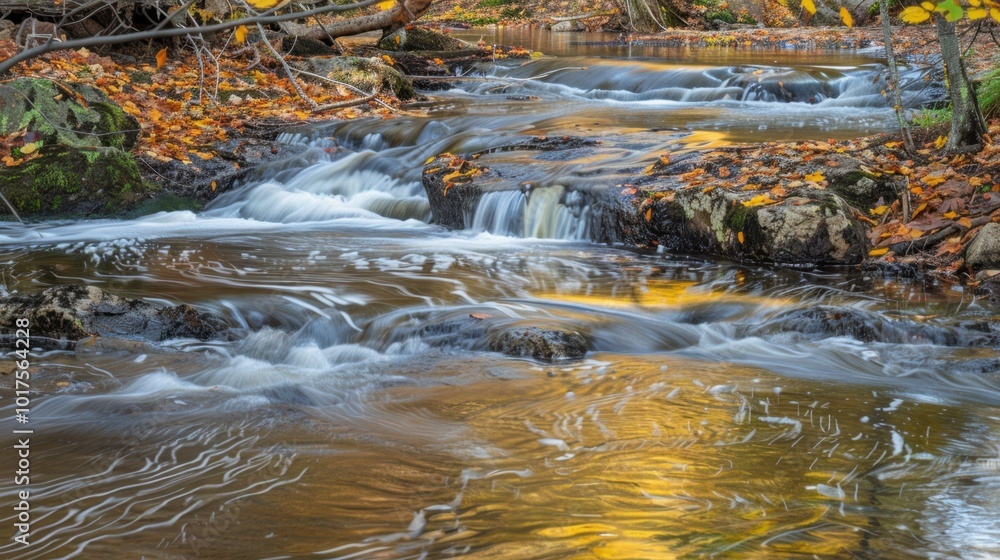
<point>351,421</point>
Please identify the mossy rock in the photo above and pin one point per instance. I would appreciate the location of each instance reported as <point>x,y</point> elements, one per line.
<point>72,182</point>
<point>73,115</point>
<point>417,39</point>
<point>366,74</point>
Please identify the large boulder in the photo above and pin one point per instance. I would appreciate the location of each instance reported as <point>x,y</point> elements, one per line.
<point>366,74</point>
<point>77,116</point>
<point>71,313</point>
<point>78,164</point>
<point>74,182</point>
<point>416,39</point>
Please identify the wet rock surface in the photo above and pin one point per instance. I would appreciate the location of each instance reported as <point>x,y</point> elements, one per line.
<point>672,205</point>
<point>867,326</point>
<point>539,343</point>
<point>71,313</point>
<point>984,250</point>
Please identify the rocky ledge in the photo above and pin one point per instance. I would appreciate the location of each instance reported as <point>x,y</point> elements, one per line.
<point>807,212</point>
<point>62,315</point>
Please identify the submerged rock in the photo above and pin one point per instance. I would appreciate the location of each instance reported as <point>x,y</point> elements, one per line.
<point>866,326</point>
<point>72,313</point>
<point>538,343</point>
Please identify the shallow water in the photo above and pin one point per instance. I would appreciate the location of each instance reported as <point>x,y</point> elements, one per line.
<point>346,425</point>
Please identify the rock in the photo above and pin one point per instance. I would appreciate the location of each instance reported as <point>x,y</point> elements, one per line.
<point>568,27</point>
<point>540,344</point>
<point>7,28</point>
<point>81,137</point>
<point>304,46</point>
<point>451,201</point>
<point>366,74</point>
<point>815,228</point>
<point>74,182</point>
<point>984,249</point>
<point>76,312</point>
<point>419,39</point>
<point>78,116</point>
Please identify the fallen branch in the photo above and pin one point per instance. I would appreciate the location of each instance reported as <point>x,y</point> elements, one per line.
<point>907,247</point>
<point>580,16</point>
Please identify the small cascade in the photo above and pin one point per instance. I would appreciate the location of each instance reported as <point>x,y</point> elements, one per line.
<point>500,213</point>
<point>355,186</point>
<point>858,86</point>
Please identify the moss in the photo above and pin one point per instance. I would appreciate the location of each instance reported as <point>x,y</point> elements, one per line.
<point>67,182</point>
<point>38,105</point>
<point>721,15</point>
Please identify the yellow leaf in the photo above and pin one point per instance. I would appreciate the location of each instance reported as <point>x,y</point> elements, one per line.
<point>940,141</point>
<point>213,186</point>
<point>758,200</point>
<point>845,16</point>
<point>950,215</point>
<point>430,159</point>
<point>977,13</point>
<point>915,14</point>
<point>879,210</point>
<point>808,6</point>
<point>919,209</point>
<point>240,34</point>
<point>933,181</point>
<point>739,237</point>
<point>387,5</point>
<point>267,4</point>
<point>161,58</point>
<point>29,148</point>
<point>929,6</point>
<point>975,3</point>
<point>878,252</point>
<point>995,13</point>
<point>815,177</point>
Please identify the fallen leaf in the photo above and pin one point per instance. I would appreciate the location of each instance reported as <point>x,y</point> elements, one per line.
<point>878,252</point>
<point>161,58</point>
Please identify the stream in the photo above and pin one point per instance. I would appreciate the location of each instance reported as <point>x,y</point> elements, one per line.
<point>704,421</point>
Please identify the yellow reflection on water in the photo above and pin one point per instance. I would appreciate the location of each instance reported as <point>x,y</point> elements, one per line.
<point>660,294</point>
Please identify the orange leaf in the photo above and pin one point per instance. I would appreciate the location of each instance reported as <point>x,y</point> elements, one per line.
<point>161,58</point>
<point>649,214</point>
<point>240,34</point>
<point>878,252</point>
<point>739,237</point>
<point>964,222</point>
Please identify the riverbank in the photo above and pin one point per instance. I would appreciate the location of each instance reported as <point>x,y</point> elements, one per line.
<point>199,137</point>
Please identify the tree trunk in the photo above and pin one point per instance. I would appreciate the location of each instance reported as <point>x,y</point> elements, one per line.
<point>386,21</point>
<point>967,123</point>
<point>890,55</point>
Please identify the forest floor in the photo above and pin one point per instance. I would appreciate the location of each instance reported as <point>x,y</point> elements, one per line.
<point>184,112</point>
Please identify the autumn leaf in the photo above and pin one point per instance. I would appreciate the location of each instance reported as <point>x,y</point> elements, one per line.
<point>29,148</point>
<point>387,5</point>
<point>267,4</point>
<point>950,215</point>
<point>933,181</point>
<point>758,200</point>
<point>815,177</point>
<point>964,222</point>
<point>240,34</point>
<point>161,58</point>
<point>845,16</point>
<point>878,252</point>
<point>649,214</point>
<point>915,14</point>
<point>739,237</point>
<point>808,6</point>
<point>878,210</point>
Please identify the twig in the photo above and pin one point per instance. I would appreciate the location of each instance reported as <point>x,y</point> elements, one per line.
<point>288,69</point>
